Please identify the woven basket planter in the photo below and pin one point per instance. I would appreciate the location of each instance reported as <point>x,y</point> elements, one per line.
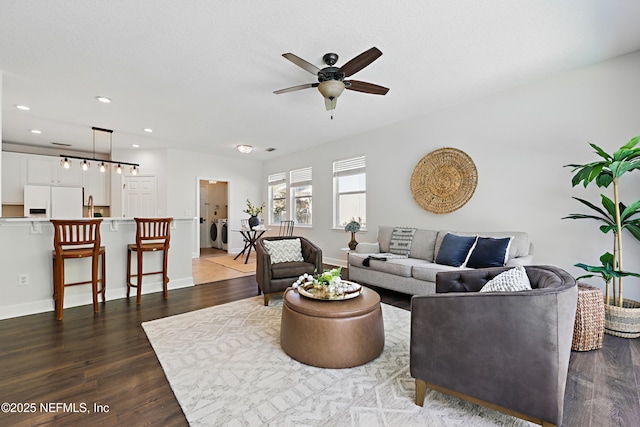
<point>623,321</point>
<point>588,330</point>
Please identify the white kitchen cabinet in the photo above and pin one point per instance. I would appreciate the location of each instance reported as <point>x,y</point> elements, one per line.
<point>14,176</point>
<point>46,170</point>
<point>20,169</point>
<point>97,184</point>
<point>71,177</point>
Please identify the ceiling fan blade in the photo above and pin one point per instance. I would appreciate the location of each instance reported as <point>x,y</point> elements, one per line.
<point>360,61</point>
<point>365,87</point>
<point>294,88</point>
<point>302,63</point>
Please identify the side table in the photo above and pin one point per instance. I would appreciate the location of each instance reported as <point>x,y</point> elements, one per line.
<point>588,331</point>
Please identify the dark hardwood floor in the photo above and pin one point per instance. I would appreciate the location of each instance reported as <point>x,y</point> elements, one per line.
<point>107,360</point>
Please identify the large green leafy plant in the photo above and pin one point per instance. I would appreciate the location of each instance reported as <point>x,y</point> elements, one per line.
<point>615,215</point>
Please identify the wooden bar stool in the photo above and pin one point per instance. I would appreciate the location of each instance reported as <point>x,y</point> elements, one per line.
<point>77,239</point>
<point>286,228</point>
<point>152,234</point>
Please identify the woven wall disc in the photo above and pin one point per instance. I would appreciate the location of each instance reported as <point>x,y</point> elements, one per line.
<point>444,180</point>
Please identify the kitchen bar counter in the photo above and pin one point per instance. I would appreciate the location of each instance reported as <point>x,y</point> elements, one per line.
<point>25,253</point>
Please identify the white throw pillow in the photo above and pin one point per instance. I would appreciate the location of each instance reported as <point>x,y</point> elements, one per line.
<point>512,280</point>
<point>285,250</point>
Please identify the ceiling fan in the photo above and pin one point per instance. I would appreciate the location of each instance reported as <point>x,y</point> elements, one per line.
<point>331,79</point>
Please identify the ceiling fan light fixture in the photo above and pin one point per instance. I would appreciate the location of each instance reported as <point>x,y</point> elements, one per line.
<point>331,89</point>
<point>244,148</point>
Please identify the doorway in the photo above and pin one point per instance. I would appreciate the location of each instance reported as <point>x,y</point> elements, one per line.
<point>213,214</point>
<point>213,234</point>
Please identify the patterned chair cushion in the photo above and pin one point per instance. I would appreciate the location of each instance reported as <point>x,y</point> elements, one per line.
<point>512,280</point>
<point>285,250</point>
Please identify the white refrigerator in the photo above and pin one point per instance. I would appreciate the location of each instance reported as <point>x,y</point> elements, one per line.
<point>42,201</point>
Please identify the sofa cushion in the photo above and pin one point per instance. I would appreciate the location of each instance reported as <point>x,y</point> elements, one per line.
<point>428,270</point>
<point>519,246</point>
<point>455,249</point>
<point>512,280</point>
<point>356,259</point>
<point>285,250</point>
<point>489,252</point>
<point>291,270</point>
<point>384,237</point>
<point>423,245</point>
<point>396,266</point>
<point>401,239</point>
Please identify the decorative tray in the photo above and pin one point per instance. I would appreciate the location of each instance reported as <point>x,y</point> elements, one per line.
<point>308,290</point>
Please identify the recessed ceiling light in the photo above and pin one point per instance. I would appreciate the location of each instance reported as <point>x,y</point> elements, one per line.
<point>135,145</point>
<point>244,149</point>
<point>147,130</point>
<point>103,99</point>
<point>36,131</point>
<point>23,107</point>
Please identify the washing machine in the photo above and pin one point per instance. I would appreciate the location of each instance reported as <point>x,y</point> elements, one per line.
<point>223,232</point>
<point>215,235</point>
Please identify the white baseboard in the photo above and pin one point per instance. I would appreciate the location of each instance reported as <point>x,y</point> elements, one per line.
<point>43,306</point>
<point>335,261</point>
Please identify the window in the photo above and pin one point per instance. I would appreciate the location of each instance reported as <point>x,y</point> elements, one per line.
<point>277,197</point>
<point>350,191</point>
<point>301,192</point>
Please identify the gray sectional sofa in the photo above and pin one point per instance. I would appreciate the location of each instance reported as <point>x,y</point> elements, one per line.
<point>416,274</point>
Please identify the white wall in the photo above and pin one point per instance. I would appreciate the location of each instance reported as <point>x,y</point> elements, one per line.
<point>0,142</point>
<point>152,162</point>
<point>178,173</point>
<point>185,169</point>
<point>519,140</point>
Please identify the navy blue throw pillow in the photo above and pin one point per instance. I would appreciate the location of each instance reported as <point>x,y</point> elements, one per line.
<point>454,249</point>
<point>489,252</point>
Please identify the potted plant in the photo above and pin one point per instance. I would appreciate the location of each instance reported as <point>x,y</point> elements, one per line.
<point>616,217</point>
<point>253,212</point>
<point>618,321</point>
<point>353,227</point>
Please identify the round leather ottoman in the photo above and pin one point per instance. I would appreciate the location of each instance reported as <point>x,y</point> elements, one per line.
<point>332,334</point>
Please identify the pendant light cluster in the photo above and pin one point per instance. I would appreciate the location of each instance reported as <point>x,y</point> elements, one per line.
<point>102,164</point>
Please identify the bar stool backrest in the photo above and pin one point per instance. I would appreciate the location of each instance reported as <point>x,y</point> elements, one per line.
<point>286,228</point>
<point>76,233</point>
<point>153,230</point>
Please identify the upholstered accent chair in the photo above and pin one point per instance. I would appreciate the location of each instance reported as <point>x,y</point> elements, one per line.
<point>276,277</point>
<point>505,350</point>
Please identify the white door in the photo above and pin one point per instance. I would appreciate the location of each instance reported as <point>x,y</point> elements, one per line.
<point>139,196</point>
<point>205,240</point>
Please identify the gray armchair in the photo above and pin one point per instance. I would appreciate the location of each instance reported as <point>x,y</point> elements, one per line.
<point>275,278</point>
<point>506,350</point>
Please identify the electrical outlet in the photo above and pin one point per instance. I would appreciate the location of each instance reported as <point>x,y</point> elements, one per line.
<point>23,279</point>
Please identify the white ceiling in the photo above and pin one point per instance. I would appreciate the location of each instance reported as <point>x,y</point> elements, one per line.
<point>201,73</point>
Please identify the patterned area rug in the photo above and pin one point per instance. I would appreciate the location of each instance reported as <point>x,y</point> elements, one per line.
<point>226,367</point>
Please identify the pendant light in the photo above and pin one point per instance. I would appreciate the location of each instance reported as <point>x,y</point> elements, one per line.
<point>102,167</point>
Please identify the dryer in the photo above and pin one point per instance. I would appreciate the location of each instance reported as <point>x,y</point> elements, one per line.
<point>223,233</point>
<point>215,234</point>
